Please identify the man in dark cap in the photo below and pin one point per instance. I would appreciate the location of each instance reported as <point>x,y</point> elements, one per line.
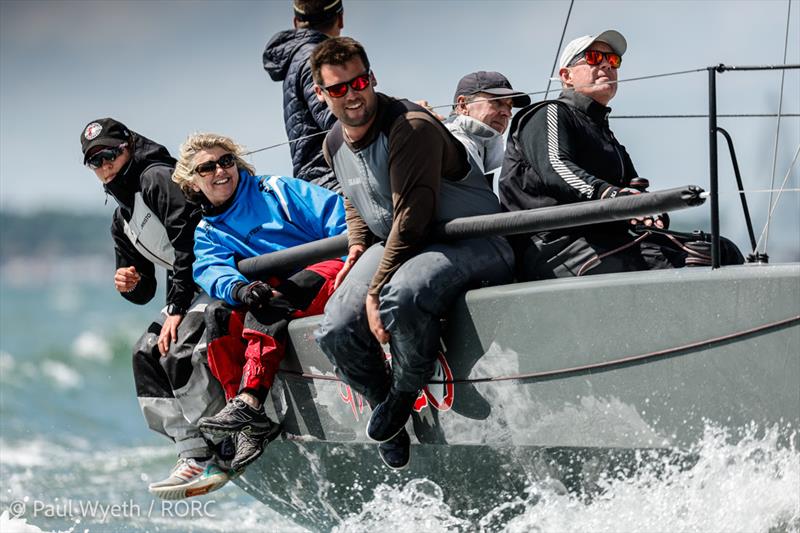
<point>154,225</point>
<point>286,59</point>
<point>481,112</point>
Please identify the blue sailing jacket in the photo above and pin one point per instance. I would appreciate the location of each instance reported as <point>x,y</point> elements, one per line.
<point>267,213</point>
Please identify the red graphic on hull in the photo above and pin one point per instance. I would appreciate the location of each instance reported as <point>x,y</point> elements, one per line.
<point>438,396</point>
<point>356,401</point>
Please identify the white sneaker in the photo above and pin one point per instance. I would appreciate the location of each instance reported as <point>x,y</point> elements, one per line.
<point>190,478</point>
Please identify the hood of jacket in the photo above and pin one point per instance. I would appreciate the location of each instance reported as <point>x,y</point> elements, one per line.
<point>483,142</point>
<point>282,47</point>
<point>127,183</point>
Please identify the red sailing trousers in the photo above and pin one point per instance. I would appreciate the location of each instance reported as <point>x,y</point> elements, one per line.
<point>245,348</point>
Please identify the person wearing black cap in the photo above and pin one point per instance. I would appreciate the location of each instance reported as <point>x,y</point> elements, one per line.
<point>481,111</point>
<point>286,59</point>
<point>563,151</point>
<point>154,225</point>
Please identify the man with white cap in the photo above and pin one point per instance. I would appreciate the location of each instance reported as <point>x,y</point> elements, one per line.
<point>562,151</point>
<point>481,112</point>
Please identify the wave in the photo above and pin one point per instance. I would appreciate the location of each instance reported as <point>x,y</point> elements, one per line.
<point>750,485</point>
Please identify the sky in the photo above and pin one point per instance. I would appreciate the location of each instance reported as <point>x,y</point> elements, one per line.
<point>172,67</point>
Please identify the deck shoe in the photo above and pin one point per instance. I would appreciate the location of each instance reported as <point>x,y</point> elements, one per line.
<point>389,417</point>
<point>396,452</point>
<point>237,416</point>
<point>250,446</point>
<point>188,478</point>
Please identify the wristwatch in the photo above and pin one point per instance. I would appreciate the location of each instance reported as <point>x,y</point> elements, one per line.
<point>175,309</point>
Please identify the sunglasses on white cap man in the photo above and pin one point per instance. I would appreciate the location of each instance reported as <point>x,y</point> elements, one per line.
<point>578,46</point>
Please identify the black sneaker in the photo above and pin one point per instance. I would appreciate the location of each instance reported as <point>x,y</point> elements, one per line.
<point>389,417</point>
<point>237,416</point>
<point>250,446</point>
<point>396,452</point>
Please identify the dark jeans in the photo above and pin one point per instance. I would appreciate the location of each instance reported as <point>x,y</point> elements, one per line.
<point>411,304</point>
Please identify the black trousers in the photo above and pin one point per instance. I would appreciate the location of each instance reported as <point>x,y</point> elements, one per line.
<point>558,254</point>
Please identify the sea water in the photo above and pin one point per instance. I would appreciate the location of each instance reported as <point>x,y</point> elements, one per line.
<point>75,454</point>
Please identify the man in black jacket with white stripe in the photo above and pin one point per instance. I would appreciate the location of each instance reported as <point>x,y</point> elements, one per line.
<point>562,151</point>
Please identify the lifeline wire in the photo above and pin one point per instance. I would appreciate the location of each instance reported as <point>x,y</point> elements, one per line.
<point>555,59</point>
<point>773,206</point>
<point>450,105</point>
<point>778,125</point>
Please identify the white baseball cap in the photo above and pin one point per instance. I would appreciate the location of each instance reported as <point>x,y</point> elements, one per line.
<point>612,38</point>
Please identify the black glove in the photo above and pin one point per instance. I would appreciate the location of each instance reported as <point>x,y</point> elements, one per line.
<point>255,295</point>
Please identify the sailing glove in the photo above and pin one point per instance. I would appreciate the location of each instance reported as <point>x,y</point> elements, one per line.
<point>254,295</point>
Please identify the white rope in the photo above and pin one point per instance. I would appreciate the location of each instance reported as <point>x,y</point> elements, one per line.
<point>762,190</point>
<point>778,124</point>
<point>773,206</point>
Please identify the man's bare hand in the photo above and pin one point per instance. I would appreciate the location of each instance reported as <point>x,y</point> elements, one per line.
<point>374,319</point>
<point>169,333</point>
<point>126,279</point>
<point>426,105</point>
<point>352,256</point>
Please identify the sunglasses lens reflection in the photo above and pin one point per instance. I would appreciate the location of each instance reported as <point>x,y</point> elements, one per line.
<point>97,160</point>
<point>338,90</point>
<point>226,161</point>
<point>595,57</point>
<point>359,83</point>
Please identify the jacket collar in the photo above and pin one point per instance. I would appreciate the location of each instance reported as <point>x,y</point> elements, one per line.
<point>597,112</point>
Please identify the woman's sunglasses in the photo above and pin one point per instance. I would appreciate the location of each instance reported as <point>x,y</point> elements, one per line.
<point>595,57</point>
<point>359,83</point>
<point>209,167</point>
<point>107,154</point>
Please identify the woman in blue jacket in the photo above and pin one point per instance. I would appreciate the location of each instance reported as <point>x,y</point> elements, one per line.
<point>245,215</point>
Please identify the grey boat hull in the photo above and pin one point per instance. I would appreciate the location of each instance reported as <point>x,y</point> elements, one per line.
<point>605,364</point>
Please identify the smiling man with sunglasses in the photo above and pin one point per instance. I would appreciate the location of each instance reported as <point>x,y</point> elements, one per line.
<point>153,225</point>
<point>401,172</point>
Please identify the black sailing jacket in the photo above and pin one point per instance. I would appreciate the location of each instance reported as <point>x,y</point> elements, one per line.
<point>560,152</point>
<point>150,172</point>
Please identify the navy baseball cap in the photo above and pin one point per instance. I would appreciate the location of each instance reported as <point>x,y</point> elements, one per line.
<point>492,83</point>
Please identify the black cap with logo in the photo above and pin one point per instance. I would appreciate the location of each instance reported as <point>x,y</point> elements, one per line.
<point>103,132</point>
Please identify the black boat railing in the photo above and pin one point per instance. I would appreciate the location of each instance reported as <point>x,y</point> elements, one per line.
<point>713,129</point>
<point>511,223</point>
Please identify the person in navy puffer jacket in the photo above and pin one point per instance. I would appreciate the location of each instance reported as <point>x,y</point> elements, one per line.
<point>286,59</point>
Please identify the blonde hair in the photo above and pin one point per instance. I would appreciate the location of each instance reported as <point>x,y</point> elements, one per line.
<point>196,142</point>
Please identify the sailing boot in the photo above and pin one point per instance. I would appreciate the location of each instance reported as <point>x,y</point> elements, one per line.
<point>396,452</point>
<point>237,416</point>
<point>390,416</point>
<point>250,446</point>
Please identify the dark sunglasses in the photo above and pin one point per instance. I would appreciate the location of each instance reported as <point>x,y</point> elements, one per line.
<point>209,167</point>
<point>107,154</point>
<point>359,83</point>
<point>595,57</point>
